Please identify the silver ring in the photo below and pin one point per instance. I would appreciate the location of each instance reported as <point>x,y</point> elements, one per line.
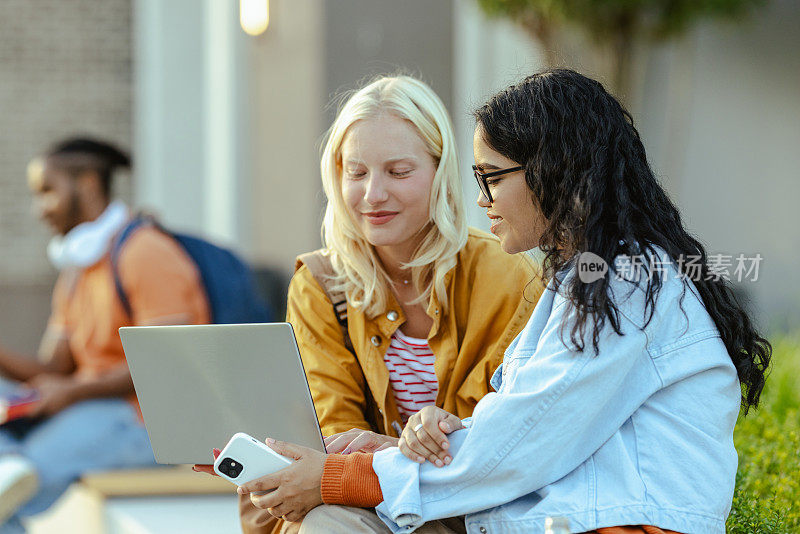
<point>416,428</point>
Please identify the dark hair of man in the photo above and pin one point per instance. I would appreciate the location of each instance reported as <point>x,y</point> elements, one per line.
<point>81,154</point>
<point>587,170</point>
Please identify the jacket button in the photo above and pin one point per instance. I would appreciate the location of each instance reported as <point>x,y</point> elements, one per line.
<point>392,315</point>
<point>376,340</point>
<point>483,530</point>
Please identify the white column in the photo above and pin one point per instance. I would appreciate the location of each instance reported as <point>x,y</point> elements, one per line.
<point>488,55</point>
<point>188,124</point>
<point>222,169</point>
<point>149,78</point>
<point>168,125</point>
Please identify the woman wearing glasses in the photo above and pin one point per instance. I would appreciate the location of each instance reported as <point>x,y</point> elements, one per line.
<point>430,304</point>
<point>615,406</point>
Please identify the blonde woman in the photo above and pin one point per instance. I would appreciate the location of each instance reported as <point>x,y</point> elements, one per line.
<point>431,305</point>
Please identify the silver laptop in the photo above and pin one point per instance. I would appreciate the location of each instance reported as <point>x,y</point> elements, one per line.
<point>199,385</point>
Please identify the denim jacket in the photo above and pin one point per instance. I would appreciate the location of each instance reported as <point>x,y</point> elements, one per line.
<point>640,434</point>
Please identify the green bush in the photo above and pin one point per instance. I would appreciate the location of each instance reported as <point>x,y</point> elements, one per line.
<point>767,496</point>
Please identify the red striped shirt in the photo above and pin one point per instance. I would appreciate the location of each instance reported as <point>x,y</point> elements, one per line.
<point>411,373</point>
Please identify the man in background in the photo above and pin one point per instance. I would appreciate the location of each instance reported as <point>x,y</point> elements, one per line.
<point>87,416</point>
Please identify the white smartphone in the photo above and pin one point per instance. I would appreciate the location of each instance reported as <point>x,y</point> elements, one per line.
<point>245,458</point>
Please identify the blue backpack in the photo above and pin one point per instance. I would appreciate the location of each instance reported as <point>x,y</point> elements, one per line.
<point>228,281</point>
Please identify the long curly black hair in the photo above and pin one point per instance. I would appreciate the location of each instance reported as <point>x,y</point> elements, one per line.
<point>587,170</point>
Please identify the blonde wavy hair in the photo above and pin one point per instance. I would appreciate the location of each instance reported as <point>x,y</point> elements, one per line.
<point>358,269</point>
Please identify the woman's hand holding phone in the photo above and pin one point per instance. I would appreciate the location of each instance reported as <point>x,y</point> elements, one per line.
<point>288,493</point>
<point>291,492</point>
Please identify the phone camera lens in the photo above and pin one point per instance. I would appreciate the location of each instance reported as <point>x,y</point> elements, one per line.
<point>231,468</point>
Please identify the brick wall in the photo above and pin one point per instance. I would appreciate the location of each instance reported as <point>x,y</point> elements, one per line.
<point>65,67</point>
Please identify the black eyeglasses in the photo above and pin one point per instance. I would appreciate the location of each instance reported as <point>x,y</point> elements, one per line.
<point>481,177</point>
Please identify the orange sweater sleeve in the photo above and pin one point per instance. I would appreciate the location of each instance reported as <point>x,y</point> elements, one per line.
<point>349,480</point>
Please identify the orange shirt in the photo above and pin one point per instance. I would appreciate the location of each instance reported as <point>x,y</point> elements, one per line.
<point>161,282</point>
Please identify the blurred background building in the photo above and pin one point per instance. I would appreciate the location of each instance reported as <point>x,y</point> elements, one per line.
<point>226,128</point>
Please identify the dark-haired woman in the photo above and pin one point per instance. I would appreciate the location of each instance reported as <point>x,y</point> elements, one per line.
<point>86,416</point>
<point>616,404</point>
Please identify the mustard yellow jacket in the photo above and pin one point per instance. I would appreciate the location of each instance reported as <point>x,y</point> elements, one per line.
<point>491,295</point>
